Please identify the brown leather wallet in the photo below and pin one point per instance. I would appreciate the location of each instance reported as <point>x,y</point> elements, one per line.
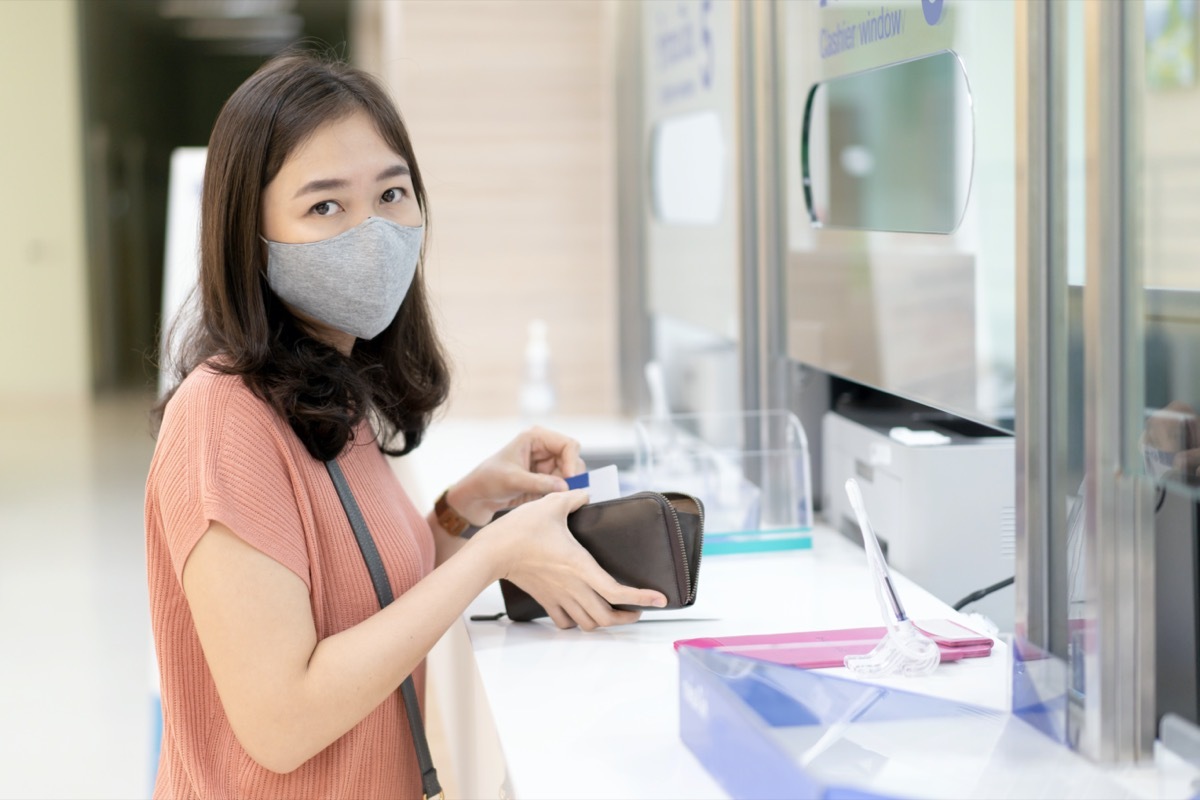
<point>646,540</point>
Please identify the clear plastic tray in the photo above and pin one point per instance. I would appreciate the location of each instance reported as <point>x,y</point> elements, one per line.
<point>751,470</point>
<point>765,730</point>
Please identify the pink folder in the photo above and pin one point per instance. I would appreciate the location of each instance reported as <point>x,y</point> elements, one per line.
<point>816,649</point>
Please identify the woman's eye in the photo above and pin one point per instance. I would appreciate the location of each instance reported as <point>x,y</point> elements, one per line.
<point>325,208</point>
<point>393,195</point>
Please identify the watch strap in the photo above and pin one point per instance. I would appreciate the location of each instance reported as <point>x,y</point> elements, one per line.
<point>450,520</point>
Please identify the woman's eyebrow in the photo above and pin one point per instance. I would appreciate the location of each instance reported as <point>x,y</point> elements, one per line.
<point>321,185</point>
<point>393,172</point>
<point>325,184</point>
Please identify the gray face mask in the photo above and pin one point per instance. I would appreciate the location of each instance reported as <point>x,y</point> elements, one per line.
<point>355,281</point>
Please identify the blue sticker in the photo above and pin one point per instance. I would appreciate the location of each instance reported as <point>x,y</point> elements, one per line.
<point>579,481</point>
<point>933,10</point>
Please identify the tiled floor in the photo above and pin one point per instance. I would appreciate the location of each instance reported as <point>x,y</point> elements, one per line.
<point>75,657</point>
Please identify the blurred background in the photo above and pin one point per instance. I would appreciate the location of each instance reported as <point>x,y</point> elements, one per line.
<point>511,110</point>
<point>510,106</point>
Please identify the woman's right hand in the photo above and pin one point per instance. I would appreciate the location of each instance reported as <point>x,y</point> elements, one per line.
<point>538,553</point>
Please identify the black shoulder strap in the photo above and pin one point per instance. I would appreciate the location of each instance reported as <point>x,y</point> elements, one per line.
<point>383,591</point>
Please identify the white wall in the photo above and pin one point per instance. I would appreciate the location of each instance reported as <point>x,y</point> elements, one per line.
<point>43,281</point>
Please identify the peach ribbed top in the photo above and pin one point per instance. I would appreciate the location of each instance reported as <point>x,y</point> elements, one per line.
<point>224,455</point>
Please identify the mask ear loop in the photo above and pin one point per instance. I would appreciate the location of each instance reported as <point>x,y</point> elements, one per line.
<point>264,263</point>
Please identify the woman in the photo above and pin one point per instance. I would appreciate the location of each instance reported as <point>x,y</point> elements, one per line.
<point>278,669</point>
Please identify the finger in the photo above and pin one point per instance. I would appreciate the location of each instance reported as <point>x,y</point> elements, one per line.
<point>576,498</point>
<point>597,608</point>
<point>630,596</point>
<point>617,594</point>
<point>622,617</point>
<point>605,615</point>
<point>582,618</point>
<point>528,497</point>
<point>523,499</point>
<point>553,451</point>
<point>560,618</point>
<point>536,483</point>
<point>568,458</point>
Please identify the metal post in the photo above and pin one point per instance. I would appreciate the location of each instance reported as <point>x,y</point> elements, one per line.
<point>633,325</point>
<point>750,338</point>
<point>1117,632</point>
<point>1041,396</point>
<point>769,41</point>
<point>1033,352</point>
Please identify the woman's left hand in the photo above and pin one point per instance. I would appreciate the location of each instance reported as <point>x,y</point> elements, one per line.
<point>530,466</point>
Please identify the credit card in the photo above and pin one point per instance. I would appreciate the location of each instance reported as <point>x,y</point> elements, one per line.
<point>601,483</point>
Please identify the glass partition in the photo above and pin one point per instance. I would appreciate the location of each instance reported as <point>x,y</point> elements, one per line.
<point>1168,443</point>
<point>692,207</point>
<point>900,204</point>
<point>1115,559</point>
<point>690,124</point>
<point>1162,402</point>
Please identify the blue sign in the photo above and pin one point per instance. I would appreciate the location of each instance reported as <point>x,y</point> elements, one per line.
<point>878,26</point>
<point>931,8</point>
<point>684,50</point>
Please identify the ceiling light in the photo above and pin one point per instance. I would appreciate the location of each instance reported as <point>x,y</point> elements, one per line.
<point>224,9</point>
<point>287,26</point>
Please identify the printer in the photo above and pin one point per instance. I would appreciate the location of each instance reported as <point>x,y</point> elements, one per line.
<point>941,494</point>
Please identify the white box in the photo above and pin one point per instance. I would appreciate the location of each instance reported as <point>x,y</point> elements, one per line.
<point>946,513</point>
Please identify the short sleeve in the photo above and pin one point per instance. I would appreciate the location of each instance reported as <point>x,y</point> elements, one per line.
<point>221,457</point>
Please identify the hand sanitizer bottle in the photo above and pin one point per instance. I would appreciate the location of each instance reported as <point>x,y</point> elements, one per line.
<point>537,392</point>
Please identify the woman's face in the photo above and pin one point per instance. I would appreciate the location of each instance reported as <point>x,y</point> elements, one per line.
<point>344,173</point>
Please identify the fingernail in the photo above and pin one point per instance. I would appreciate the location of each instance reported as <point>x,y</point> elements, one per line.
<point>660,602</point>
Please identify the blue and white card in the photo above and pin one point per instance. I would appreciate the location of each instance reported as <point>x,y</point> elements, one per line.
<point>601,483</point>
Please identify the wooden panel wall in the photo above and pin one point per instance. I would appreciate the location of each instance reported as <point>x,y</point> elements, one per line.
<point>510,106</point>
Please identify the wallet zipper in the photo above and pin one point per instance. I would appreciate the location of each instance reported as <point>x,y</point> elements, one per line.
<point>687,571</point>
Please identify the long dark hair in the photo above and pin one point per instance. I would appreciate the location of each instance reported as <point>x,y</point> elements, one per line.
<point>401,375</point>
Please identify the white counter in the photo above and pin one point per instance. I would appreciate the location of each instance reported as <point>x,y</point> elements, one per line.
<point>597,714</point>
<point>530,711</point>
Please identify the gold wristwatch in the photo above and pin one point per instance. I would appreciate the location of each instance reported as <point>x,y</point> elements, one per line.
<point>450,520</point>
